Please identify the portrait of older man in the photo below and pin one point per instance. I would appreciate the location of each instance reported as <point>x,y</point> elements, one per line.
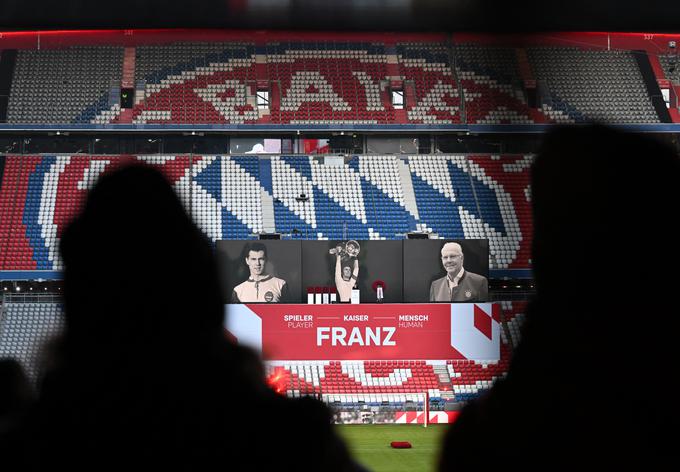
<point>458,285</point>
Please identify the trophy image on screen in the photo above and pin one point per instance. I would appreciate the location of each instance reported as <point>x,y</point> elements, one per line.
<point>346,268</point>
<point>349,249</point>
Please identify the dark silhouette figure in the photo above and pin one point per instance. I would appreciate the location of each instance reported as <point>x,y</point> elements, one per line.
<point>590,382</point>
<point>143,377</point>
<point>16,395</point>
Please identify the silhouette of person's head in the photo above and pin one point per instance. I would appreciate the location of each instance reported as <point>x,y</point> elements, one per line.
<point>144,374</point>
<point>602,201</point>
<point>137,270</point>
<point>603,246</point>
<point>603,316</point>
<point>16,393</point>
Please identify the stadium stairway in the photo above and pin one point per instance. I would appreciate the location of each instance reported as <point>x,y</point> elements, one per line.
<point>652,85</point>
<point>514,315</point>
<point>7,62</point>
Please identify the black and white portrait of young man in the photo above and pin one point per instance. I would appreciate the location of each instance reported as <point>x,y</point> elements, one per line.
<point>260,271</point>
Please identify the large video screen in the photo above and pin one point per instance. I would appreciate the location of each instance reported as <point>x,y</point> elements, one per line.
<point>260,271</point>
<point>345,264</point>
<point>410,271</point>
<point>442,270</point>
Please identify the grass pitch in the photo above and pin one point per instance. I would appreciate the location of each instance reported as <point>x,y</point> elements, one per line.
<point>370,446</point>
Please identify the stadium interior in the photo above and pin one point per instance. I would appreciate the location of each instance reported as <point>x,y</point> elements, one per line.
<point>323,135</point>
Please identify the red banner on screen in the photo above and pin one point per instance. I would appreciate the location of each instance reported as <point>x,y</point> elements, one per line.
<point>368,332</point>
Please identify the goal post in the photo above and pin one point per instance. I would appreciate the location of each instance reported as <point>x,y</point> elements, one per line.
<point>426,409</point>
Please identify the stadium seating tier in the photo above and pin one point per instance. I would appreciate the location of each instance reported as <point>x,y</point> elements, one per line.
<point>321,82</point>
<point>367,197</point>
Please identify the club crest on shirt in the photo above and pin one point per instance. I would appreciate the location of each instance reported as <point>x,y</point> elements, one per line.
<point>269,296</point>
<point>468,294</point>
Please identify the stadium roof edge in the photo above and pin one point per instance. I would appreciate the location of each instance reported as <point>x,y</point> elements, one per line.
<point>357,15</point>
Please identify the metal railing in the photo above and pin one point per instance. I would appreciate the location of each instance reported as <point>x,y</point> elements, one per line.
<point>31,298</point>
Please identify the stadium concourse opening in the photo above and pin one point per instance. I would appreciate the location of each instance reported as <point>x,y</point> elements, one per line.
<point>306,159</point>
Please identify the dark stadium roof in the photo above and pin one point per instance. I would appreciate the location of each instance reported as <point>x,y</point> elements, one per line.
<point>397,15</point>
